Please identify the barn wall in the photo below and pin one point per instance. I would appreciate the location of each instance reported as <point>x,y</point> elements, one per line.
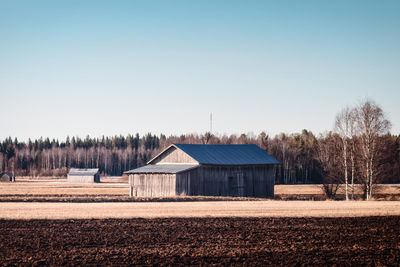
<point>174,155</point>
<point>250,181</point>
<point>152,185</point>
<point>187,182</point>
<point>80,179</point>
<point>241,181</point>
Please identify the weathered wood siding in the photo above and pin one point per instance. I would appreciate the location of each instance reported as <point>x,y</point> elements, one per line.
<point>242,181</point>
<point>83,178</point>
<point>152,185</point>
<point>174,155</point>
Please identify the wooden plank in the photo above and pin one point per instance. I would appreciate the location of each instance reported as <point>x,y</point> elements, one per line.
<point>174,156</point>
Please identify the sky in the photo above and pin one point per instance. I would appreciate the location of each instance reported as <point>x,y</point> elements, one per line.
<point>98,68</point>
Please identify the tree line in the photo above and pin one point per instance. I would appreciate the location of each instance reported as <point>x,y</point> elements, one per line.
<point>359,150</point>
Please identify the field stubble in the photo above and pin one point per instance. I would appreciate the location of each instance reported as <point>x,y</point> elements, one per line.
<point>272,208</point>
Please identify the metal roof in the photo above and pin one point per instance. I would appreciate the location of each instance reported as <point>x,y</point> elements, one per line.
<point>248,154</point>
<point>228,154</point>
<point>83,172</point>
<point>163,168</point>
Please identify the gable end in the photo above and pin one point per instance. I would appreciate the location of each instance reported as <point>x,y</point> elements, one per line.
<point>173,155</point>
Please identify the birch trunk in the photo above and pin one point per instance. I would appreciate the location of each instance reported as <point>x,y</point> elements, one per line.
<point>352,175</point>
<point>345,168</point>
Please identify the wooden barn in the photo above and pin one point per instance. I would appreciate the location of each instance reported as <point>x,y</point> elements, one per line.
<point>206,170</point>
<point>83,176</point>
<point>7,177</point>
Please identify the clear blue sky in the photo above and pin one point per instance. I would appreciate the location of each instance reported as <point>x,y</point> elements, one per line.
<point>119,67</point>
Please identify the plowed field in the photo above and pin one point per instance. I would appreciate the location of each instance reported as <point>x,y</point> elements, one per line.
<point>182,241</point>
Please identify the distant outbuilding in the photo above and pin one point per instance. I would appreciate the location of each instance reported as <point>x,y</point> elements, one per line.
<point>7,177</point>
<point>206,170</point>
<point>83,176</point>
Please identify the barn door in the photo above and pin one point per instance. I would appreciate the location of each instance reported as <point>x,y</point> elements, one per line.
<point>236,184</point>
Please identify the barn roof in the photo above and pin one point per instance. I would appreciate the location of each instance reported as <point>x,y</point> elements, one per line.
<point>163,168</point>
<point>83,172</point>
<point>248,154</point>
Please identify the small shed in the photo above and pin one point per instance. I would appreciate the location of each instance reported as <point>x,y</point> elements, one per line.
<point>206,170</point>
<point>7,177</point>
<point>83,176</point>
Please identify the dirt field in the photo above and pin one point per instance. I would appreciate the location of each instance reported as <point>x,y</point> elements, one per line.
<point>271,208</point>
<point>200,241</point>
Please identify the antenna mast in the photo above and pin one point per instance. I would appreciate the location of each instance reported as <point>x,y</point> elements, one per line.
<point>211,123</point>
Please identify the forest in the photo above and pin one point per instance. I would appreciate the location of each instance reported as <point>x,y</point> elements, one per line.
<point>348,152</point>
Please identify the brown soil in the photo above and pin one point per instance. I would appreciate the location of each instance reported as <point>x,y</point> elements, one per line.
<point>200,241</point>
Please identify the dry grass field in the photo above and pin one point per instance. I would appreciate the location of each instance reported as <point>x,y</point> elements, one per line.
<point>314,192</point>
<point>117,187</point>
<point>49,198</point>
<point>272,208</point>
<point>51,186</point>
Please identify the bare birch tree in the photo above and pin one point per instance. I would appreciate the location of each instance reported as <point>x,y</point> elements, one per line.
<point>344,127</point>
<point>371,123</point>
<point>352,146</point>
